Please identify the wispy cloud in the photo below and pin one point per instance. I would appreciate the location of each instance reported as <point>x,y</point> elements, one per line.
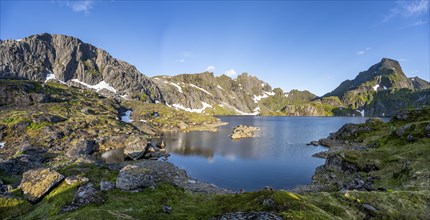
<point>362,52</point>
<point>230,72</point>
<point>419,23</point>
<point>180,61</point>
<point>77,6</point>
<point>210,69</point>
<point>81,6</point>
<point>408,9</point>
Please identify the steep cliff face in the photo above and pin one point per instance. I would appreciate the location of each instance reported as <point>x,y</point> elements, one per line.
<point>68,59</point>
<point>387,103</point>
<point>419,83</point>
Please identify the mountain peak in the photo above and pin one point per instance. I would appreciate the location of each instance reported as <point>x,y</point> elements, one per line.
<point>387,63</point>
<point>387,74</point>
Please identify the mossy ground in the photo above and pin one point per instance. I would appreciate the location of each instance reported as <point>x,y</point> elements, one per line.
<point>407,195</point>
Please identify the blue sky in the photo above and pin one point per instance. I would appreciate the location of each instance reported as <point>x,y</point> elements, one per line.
<point>312,45</point>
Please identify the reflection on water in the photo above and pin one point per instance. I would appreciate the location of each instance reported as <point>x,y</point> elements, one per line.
<point>278,156</point>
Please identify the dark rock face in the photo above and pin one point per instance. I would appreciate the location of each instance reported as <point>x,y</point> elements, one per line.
<point>419,83</point>
<point>21,94</point>
<point>20,164</point>
<point>388,103</point>
<point>36,183</point>
<point>68,58</point>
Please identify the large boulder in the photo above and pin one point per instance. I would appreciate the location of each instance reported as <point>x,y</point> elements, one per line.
<point>83,147</point>
<point>36,183</point>
<point>243,131</point>
<point>135,150</point>
<point>133,177</point>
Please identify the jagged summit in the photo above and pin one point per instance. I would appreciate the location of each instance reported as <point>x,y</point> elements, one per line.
<point>385,75</point>
<point>67,59</point>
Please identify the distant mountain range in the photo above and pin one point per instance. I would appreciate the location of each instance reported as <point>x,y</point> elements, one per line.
<point>379,91</point>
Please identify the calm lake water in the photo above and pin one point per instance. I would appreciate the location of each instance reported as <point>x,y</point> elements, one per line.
<point>278,157</point>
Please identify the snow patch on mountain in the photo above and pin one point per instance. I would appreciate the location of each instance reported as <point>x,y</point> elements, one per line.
<point>101,85</point>
<point>177,86</point>
<point>376,87</point>
<point>181,107</point>
<point>201,89</point>
<point>259,97</point>
<point>52,76</point>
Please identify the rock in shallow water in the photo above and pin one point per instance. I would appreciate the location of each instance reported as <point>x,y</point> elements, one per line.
<point>36,183</point>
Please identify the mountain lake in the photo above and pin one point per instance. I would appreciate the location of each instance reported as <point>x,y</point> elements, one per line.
<point>278,157</point>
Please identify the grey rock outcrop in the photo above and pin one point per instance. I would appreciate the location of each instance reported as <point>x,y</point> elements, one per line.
<point>234,95</point>
<point>37,56</point>
<point>133,177</point>
<point>85,195</point>
<point>106,185</point>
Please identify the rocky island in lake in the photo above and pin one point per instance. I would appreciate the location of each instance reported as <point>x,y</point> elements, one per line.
<point>243,131</point>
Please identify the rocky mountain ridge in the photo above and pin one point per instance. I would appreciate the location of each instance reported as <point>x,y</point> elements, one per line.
<point>68,60</point>
<point>385,75</point>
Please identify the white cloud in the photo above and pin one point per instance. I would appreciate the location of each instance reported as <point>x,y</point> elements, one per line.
<point>180,61</point>
<point>230,72</point>
<point>415,8</point>
<point>408,9</point>
<point>77,6</point>
<point>210,68</point>
<point>362,52</point>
